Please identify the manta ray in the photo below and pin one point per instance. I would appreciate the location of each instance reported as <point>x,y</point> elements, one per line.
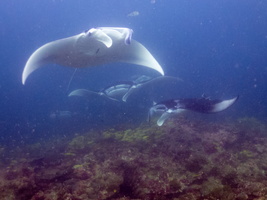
<point>176,106</point>
<point>121,90</point>
<point>114,92</point>
<point>94,47</point>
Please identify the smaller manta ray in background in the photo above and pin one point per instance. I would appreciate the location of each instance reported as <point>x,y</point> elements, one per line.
<point>93,47</point>
<point>176,106</point>
<point>121,90</point>
<point>114,92</point>
<point>117,92</point>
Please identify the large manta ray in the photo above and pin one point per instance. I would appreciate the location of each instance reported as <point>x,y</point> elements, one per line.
<point>94,47</point>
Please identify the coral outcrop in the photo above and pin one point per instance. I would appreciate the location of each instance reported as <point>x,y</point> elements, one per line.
<point>182,160</point>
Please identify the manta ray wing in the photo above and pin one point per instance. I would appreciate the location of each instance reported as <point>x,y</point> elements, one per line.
<point>162,118</point>
<point>128,93</point>
<point>136,53</point>
<point>49,53</point>
<point>82,93</point>
<point>88,94</point>
<point>152,86</point>
<point>224,104</point>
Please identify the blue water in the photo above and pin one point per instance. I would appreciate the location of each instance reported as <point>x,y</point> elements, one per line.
<point>216,47</point>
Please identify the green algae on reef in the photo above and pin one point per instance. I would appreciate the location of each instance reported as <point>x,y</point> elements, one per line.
<point>182,160</point>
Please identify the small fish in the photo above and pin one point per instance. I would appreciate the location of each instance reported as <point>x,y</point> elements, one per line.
<point>133,14</point>
<point>176,106</point>
<point>60,115</point>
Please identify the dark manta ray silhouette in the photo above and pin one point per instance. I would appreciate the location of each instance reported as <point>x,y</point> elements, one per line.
<point>176,106</point>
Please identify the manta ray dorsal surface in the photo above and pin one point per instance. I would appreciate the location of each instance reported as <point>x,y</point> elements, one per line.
<point>94,47</point>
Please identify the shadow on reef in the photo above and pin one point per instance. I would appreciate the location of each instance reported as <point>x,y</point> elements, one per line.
<point>182,160</point>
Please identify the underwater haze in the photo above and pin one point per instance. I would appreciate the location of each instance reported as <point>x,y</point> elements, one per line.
<point>216,49</point>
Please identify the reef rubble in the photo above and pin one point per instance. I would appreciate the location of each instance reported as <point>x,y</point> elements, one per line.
<point>182,160</point>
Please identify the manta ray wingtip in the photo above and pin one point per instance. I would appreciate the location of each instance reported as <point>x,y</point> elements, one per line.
<point>23,81</point>
<point>224,104</point>
<point>26,72</point>
<point>161,72</point>
<point>24,76</point>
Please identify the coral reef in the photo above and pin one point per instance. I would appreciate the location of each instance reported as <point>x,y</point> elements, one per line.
<point>182,160</point>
